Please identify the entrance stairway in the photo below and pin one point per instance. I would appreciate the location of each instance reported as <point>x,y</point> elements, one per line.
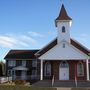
<point>57,83</point>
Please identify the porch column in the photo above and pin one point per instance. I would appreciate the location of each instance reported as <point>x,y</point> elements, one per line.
<point>41,73</point>
<point>87,69</point>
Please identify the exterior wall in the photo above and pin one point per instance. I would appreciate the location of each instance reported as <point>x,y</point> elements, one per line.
<point>38,69</point>
<point>8,67</point>
<point>72,70</point>
<point>54,69</point>
<point>63,36</point>
<point>18,62</point>
<point>19,72</point>
<point>68,52</point>
<point>29,66</point>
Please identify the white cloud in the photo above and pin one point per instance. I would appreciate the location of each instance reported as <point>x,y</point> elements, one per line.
<point>6,41</point>
<point>35,34</point>
<point>26,38</point>
<point>16,40</point>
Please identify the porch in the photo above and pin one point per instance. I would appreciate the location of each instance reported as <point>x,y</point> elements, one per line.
<point>65,70</point>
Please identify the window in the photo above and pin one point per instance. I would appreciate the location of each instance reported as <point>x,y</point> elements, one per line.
<point>11,62</point>
<point>9,72</point>
<point>80,69</point>
<point>24,63</point>
<point>47,69</point>
<point>64,64</point>
<point>34,74</point>
<point>63,29</point>
<point>34,63</point>
<point>63,45</point>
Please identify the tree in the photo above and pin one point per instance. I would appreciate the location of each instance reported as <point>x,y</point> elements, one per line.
<point>2,68</point>
<point>1,72</point>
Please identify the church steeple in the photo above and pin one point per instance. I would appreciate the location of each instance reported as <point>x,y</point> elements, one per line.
<point>62,15</point>
<point>63,24</point>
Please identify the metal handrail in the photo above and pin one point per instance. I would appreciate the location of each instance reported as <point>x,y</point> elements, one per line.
<point>53,80</point>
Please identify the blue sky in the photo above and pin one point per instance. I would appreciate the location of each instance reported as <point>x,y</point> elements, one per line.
<point>29,24</point>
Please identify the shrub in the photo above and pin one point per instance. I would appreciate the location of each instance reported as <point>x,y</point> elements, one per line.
<point>20,82</point>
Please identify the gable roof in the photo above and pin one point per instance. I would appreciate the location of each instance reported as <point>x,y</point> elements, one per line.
<point>53,43</point>
<point>46,48</point>
<point>21,54</point>
<point>63,14</point>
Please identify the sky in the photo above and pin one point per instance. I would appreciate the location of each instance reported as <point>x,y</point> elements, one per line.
<point>30,24</point>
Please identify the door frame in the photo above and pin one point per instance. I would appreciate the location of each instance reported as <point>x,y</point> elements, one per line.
<point>65,66</point>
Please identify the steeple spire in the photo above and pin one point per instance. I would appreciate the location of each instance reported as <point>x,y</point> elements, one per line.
<point>63,14</point>
<point>63,24</point>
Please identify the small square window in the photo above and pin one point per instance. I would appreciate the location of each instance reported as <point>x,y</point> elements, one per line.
<point>11,63</point>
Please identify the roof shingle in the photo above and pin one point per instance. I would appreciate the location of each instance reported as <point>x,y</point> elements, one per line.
<point>63,14</point>
<point>21,54</point>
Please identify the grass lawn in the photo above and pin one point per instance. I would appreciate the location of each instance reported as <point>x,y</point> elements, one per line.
<point>20,87</point>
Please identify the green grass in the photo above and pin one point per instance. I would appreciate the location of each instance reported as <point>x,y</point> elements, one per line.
<point>20,87</point>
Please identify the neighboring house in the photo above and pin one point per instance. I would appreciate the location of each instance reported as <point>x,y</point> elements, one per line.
<point>21,64</point>
<point>64,58</point>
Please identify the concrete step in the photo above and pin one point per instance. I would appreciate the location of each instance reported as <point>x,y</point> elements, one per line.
<point>64,84</point>
<point>43,83</point>
<point>62,88</point>
<point>48,83</point>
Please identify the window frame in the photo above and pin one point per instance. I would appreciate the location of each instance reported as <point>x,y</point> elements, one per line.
<point>34,74</point>
<point>63,45</point>
<point>63,29</point>
<point>34,63</point>
<point>46,69</point>
<point>23,63</point>
<point>11,63</point>
<point>79,73</point>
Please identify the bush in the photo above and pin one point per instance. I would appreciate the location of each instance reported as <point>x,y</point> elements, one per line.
<point>20,82</point>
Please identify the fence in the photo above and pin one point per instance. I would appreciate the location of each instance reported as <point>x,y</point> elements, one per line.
<point>5,79</point>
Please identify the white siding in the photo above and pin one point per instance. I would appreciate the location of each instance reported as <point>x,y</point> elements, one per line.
<point>63,36</point>
<point>67,53</point>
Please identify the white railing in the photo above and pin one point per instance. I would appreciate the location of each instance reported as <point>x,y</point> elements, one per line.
<point>75,81</point>
<point>52,80</point>
<point>5,79</point>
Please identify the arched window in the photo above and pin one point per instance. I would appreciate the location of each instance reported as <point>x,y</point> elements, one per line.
<point>47,69</point>
<point>80,69</point>
<point>63,29</point>
<point>63,45</point>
